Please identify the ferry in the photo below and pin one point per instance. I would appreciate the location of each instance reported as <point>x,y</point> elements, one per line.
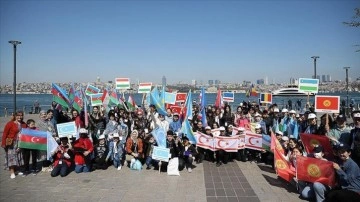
<point>291,90</point>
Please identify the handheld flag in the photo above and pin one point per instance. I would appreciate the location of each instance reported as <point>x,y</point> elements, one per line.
<point>218,101</point>
<point>282,167</point>
<point>33,139</point>
<point>90,89</point>
<point>96,99</point>
<point>310,141</point>
<point>203,106</point>
<point>144,88</point>
<point>122,83</point>
<point>160,137</point>
<point>228,96</point>
<point>60,96</point>
<point>187,130</point>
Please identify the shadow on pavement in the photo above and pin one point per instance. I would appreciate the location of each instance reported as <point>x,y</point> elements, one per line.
<point>278,182</point>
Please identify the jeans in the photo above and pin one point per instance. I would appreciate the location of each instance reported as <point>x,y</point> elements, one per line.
<point>188,161</point>
<point>82,168</point>
<point>61,169</point>
<point>116,162</point>
<point>315,190</point>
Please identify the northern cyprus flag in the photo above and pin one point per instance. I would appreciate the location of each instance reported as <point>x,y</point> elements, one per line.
<point>253,141</point>
<point>144,87</point>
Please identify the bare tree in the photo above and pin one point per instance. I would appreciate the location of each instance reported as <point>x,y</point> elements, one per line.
<point>355,22</point>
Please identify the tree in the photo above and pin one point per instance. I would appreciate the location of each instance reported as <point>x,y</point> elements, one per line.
<point>354,22</point>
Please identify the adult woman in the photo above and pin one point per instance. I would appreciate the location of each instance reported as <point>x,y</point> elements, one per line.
<point>9,142</point>
<point>134,147</point>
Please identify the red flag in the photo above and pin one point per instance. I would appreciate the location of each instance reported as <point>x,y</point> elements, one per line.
<point>218,101</point>
<point>329,104</point>
<point>310,141</point>
<point>315,170</point>
<point>282,167</point>
<point>181,97</point>
<point>275,144</point>
<point>175,109</point>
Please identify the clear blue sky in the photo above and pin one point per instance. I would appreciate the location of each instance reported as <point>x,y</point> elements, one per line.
<point>64,41</point>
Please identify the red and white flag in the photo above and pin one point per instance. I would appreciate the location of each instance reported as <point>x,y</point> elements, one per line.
<point>204,141</point>
<point>253,141</point>
<point>181,97</point>
<point>241,142</point>
<point>229,144</point>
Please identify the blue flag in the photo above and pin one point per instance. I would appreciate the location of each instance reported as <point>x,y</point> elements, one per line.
<point>154,99</point>
<point>160,136</point>
<point>188,105</point>
<point>188,132</point>
<point>203,107</point>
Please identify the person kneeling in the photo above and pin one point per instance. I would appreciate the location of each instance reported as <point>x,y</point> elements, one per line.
<point>83,148</point>
<point>116,150</point>
<point>189,154</point>
<point>63,157</point>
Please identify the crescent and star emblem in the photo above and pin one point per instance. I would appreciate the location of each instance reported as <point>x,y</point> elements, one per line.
<point>34,139</point>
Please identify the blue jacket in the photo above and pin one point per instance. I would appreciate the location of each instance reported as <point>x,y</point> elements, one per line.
<point>120,150</point>
<point>175,126</point>
<point>349,176</point>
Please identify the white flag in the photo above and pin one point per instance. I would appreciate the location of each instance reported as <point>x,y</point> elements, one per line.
<point>229,144</point>
<point>253,141</point>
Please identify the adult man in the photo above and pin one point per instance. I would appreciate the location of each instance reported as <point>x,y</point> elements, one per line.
<point>340,133</point>
<point>349,177</point>
<point>312,128</point>
<point>355,137</point>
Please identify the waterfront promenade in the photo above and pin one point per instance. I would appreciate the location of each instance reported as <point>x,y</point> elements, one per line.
<point>236,181</point>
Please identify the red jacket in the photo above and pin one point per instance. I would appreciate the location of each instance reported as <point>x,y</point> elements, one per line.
<point>11,130</point>
<point>139,146</point>
<point>80,146</point>
<point>78,122</point>
<point>59,156</point>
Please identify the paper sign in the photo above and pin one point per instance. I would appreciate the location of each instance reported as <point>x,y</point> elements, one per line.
<point>161,154</point>
<point>66,129</point>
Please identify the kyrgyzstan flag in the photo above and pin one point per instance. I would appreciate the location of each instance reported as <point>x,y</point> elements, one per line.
<point>310,141</point>
<point>315,170</point>
<point>328,104</point>
<point>282,166</point>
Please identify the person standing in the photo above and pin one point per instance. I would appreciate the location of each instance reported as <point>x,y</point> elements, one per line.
<point>9,142</point>
<point>26,153</point>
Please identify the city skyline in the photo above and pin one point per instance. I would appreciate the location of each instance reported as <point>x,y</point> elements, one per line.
<point>229,41</point>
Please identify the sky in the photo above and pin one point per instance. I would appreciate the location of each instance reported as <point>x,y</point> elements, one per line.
<point>231,41</point>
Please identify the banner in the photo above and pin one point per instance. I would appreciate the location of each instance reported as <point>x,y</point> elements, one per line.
<point>282,167</point>
<point>66,129</point>
<point>228,96</point>
<point>310,141</point>
<point>181,97</point>
<point>253,141</point>
<point>308,85</point>
<point>122,83</point>
<point>204,141</point>
<point>144,87</point>
<point>266,98</point>
<point>315,170</point>
<point>327,104</point>
<point>229,144</point>
<point>170,98</point>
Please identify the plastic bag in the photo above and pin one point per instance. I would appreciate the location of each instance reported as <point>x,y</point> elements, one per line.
<point>136,165</point>
<point>173,167</point>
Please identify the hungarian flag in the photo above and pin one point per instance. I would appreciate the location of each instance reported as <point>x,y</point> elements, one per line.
<point>144,88</point>
<point>59,96</point>
<point>282,166</point>
<point>181,97</point>
<point>122,83</point>
<point>310,141</point>
<point>266,98</point>
<point>328,104</point>
<point>96,99</point>
<point>315,170</point>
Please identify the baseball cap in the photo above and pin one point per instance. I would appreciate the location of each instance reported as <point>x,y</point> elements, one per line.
<point>101,137</point>
<point>356,114</point>
<point>222,128</point>
<point>207,128</point>
<point>311,116</point>
<point>83,130</point>
<point>343,148</point>
<point>279,133</point>
<point>257,114</point>
<point>318,149</point>
<point>284,110</point>
<point>116,135</point>
<point>241,129</point>
<point>341,118</point>
<point>285,138</point>
<point>276,110</point>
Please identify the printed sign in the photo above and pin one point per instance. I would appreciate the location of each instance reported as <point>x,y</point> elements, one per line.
<point>309,85</point>
<point>328,104</point>
<point>161,154</point>
<point>66,129</point>
<point>122,83</point>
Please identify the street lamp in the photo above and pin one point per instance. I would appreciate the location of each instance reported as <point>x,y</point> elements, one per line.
<point>14,43</point>
<point>347,86</point>
<point>315,57</point>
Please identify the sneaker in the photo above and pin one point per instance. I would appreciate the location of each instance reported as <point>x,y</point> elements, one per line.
<point>189,170</point>
<point>12,176</point>
<point>218,164</point>
<point>20,173</point>
<point>148,168</point>
<point>119,168</point>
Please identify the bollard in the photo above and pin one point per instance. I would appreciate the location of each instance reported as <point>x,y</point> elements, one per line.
<point>24,109</point>
<point>5,111</point>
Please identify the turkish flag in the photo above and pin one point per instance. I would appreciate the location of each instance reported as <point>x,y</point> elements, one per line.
<point>175,109</point>
<point>282,166</point>
<point>310,141</point>
<point>315,170</point>
<point>181,97</point>
<point>328,104</point>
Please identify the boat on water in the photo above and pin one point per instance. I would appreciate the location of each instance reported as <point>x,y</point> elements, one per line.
<point>291,90</point>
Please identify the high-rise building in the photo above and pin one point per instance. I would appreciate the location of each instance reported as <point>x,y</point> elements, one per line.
<point>260,81</point>
<point>323,78</point>
<point>163,81</point>
<point>328,78</point>
<point>193,82</point>
<point>217,82</point>
<point>266,82</point>
<point>211,82</point>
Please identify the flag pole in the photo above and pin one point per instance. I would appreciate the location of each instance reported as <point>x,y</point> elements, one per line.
<point>308,100</point>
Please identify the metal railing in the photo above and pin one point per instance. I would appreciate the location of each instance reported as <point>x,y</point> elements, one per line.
<point>27,109</point>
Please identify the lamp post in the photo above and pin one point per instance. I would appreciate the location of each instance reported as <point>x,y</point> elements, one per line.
<point>14,43</point>
<point>315,57</point>
<point>347,88</point>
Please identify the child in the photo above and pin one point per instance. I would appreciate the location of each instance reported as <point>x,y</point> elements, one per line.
<point>26,153</point>
<point>101,152</point>
<point>116,150</point>
<point>62,158</point>
<point>150,143</point>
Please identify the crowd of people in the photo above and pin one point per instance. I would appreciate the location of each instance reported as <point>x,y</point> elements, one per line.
<point>122,138</point>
